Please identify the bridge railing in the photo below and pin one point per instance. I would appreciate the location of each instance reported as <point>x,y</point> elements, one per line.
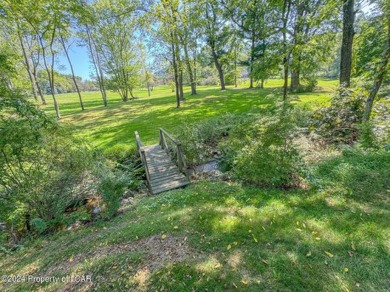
<point>141,152</point>
<point>174,149</point>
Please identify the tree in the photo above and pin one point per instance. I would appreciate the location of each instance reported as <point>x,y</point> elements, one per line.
<point>217,33</point>
<point>167,13</point>
<point>249,18</point>
<point>347,41</point>
<point>118,46</point>
<point>313,23</point>
<point>374,53</point>
<point>64,47</point>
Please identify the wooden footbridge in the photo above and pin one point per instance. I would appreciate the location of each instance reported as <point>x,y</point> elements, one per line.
<point>164,163</point>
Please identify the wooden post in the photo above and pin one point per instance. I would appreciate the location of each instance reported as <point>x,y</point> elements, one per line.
<point>179,158</point>
<point>161,139</point>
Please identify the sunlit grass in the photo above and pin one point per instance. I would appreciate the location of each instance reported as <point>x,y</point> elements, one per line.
<point>113,127</point>
<point>238,237</point>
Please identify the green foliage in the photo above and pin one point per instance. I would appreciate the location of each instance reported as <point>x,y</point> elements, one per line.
<point>45,170</point>
<point>367,138</point>
<point>261,151</point>
<point>42,165</point>
<point>200,140</point>
<point>112,185</point>
<point>338,123</point>
<point>38,225</point>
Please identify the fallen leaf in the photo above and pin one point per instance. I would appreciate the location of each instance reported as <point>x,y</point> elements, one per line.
<point>265,262</point>
<point>229,247</point>
<point>353,246</point>
<point>254,238</point>
<point>235,243</point>
<point>308,254</point>
<point>163,236</point>
<point>346,270</point>
<point>175,227</point>
<point>244,281</point>
<point>329,254</point>
<point>318,238</point>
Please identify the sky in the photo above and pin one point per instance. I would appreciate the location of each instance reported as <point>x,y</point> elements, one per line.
<point>80,61</point>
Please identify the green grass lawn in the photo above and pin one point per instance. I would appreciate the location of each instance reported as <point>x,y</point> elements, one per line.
<point>217,235</point>
<point>114,126</point>
<point>220,236</point>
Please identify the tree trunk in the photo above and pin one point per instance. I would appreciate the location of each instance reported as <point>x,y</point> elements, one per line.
<point>96,63</point>
<point>35,64</point>
<point>195,77</point>
<point>175,73</point>
<point>286,12</point>
<point>40,92</point>
<point>181,83</point>
<point>235,66</point>
<point>179,68</point>
<point>219,68</point>
<point>346,46</point>
<point>27,64</point>
<point>296,55</point>
<point>252,58</point>
<point>189,69</point>
<point>295,82</point>
<point>378,80</point>
<point>50,71</point>
<point>71,69</point>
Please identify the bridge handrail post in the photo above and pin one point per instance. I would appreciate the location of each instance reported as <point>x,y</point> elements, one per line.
<point>179,149</point>
<point>142,154</point>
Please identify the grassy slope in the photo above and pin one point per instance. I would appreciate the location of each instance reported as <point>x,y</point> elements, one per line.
<point>218,235</point>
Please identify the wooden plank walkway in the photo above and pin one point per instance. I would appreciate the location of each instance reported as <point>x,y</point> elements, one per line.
<point>164,174</point>
<point>161,172</point>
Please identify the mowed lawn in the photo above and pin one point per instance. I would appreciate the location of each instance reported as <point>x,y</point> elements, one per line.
<point>114,126</point>
<point>219,235</point>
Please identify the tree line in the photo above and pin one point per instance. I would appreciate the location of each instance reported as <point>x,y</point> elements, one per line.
<point>130,42</point>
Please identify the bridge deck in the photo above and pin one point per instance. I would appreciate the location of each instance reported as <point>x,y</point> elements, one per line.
<point>164,174</point>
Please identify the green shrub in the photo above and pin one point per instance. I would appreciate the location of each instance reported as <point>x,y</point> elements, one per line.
<point>45,171</point>
<point>200,140</point>
<point>38,225</point>
<point>261,152</point>
<point>367,137</point>
<point>112,185</point>
<point>339,122</point>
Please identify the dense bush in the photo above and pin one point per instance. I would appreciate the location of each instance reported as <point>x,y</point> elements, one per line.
<point>46,172</point>
<point>339,123</point>
<point>200,140</point>
<point>261,152</point>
